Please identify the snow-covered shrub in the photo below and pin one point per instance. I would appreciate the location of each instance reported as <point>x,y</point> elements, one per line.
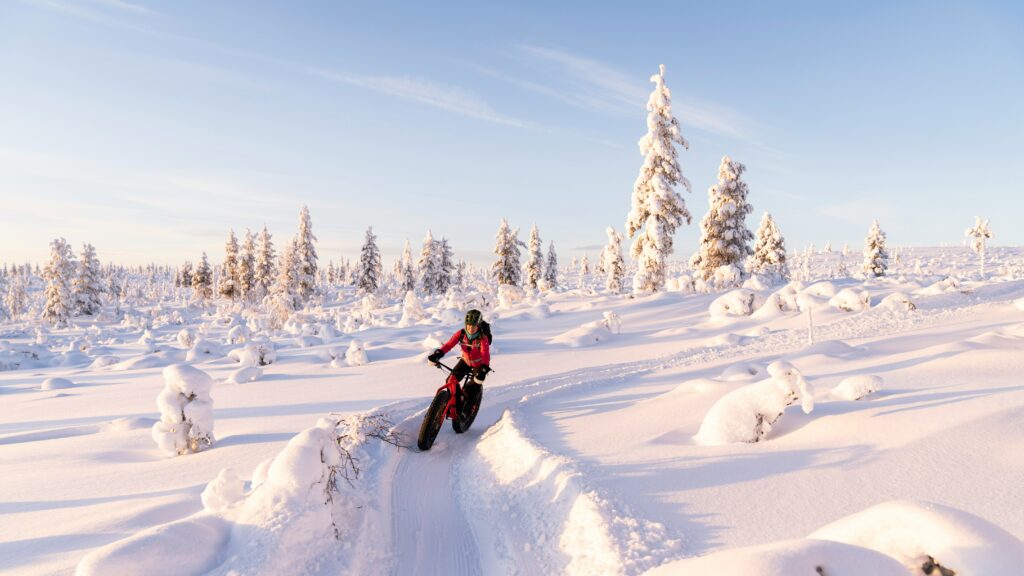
<point>238,334</point>
<point>612,322</point>
<point>223,491</point>
<point>944,286</point>
<point>355,355</point>
<point>736,303</point>
<point>898,301</point>
<point>186,337</point>
<point>203,349</point>
<point>186,411</point>
<point>857,387</point>
<point>821,289</point>
<point>850,300</point>
<point>246,374</point>
<point>748,413</point>
<point>412,310</point>
<point>56,384</point>
<point>254,353</point>
<point>683,283</point>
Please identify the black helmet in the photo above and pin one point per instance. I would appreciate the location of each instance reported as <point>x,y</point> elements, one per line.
<point>473,317</point>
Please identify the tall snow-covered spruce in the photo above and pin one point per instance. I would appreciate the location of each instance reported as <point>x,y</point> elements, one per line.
<point>408,273</point>
<point>551,268</point>
<point>247,266</point>
<point>229,270</point>
<point>446,266</point>
<point>769,258</point>
<point>264,272</point>
<point>429,265</point>
<point>305,257</point>
<point>371,272</point>
<point>657,210</point>
<point>535,263</point>
<point>88,284</point>
<point>724,236</point>
<point>202,280</point>
<point>59,274</point>
<point>505,269</point>
<point>876,257</point>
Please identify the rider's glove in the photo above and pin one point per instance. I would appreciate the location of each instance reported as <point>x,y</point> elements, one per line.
<point>435,356</point>
<point>480,373</point>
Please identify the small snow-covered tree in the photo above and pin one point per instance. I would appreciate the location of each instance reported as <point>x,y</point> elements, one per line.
<point>16,298</point>
<point>459,280</point>
<point>247,266</point>
<point>506,269</point>
<point>429,265</point>
<point>551,268</point>
<point>769,257</point>
<point>408,272</point>
<point>876,258</point>
<point>264,264</point>
<point>612,262</point>
<point>370,273</point>
<point>535,263</point>
<point>229,287</point>
<point>445,266</point>
<point>202,280</point>
<point>185,275</point>
<point>59,273</point>
<point>88,284</point>
<point>186,411</point>
<point>724,236</point>
<point>305,257</point>
<point>979,234</point>
<point>585,266</point>
<point>285,291</point>
<point>657,209</point>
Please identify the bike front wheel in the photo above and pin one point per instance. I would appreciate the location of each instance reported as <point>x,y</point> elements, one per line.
<point>433,420</point>
<point>463,423</point>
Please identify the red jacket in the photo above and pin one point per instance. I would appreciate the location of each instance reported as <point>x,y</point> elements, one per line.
<point>475,353</point>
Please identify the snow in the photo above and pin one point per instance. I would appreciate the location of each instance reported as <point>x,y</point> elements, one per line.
<point>586,458</point>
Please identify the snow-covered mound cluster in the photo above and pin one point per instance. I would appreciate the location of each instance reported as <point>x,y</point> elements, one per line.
<point>186,411</point>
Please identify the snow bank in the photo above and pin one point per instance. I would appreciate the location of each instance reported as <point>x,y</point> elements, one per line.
<point>186,411</point>
<point>916,533</point>
<point>591,333</point>
<point>747,414</point>
<point>850,300</point>
<point>554,524</point>
<point>740,302</point>
<point>857,387</point>
<point>56,384</point>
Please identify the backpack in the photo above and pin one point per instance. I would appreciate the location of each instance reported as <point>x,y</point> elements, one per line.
<point>485,329</point>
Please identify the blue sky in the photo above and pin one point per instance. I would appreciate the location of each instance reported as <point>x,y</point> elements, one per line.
<point>149,129</point>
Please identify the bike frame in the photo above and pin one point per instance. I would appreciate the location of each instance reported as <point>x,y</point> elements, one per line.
<point>454,388</point>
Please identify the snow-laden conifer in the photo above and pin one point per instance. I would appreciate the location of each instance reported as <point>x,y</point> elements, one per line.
<point>876,257</point>
<point>247,266</point>
<point>657,210</point>
<point>59,274</point>
<point>185,275</point>
<point>408,277</point>
<point>16,298</point>
<point>769,258</point>
<point>551,268</point>
<point>305,257</point>
<point>370,273</point>
<point>506,269</point>
<point>202,280</point>
<point>585,266</point>
<point>445,266</point>
<point>186,411</point>
<point>229,287</point>
<point>265,270</point>
<point>724,236</point>
<point>459,281</point>
<point>535,262</point>
<point>979,234</point>
<point>88,285</point>
<point>429,265</point>
<point>612,262</point>
<point>285,292</point>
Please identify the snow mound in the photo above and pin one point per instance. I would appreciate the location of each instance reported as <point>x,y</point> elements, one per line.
<point>223,491</point>
<point>247,374</point>
<point>191,546</point>
<point>186,411</point>
<point>556,525</point>
<point>104,361</point>
<point>821,289</point>
<point>590,333</point>
<point>740,302</point>
<point>153,360</point>
<point>308,341</point>
<point>56,384</point>
<point>916,533</point>
<point>787,558</point>
<point>747,414</point>
<point>944,286</point>
<point>746,371</point>
<point>857,387</point>
<point>850,300</point>
<point>898,301</point>
<point>203,350</point>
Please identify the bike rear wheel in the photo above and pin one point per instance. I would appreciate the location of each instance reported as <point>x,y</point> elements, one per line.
<point>433,420</point>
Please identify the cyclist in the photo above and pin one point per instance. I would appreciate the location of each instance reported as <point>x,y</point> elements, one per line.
<point>475,340</point>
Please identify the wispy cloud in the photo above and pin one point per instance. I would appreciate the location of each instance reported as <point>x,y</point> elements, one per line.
<point>129,7</point>
<point>442,96</point>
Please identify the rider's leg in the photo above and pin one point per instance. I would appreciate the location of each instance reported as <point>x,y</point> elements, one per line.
<point>459,372</point>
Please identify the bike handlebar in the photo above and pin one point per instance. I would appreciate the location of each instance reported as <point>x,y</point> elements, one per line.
<point>441,366</point>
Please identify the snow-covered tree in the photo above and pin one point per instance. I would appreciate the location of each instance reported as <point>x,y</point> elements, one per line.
<point>506,269</point>
<point>876,258</point>
<point>724,236</point>
<point>202,280</point>
<point>979,234</point>
<point>769,256</point>
<point>88,284</point>
<point>612,263</point>
<point>186,411</point>
<point>585,266</point>
<point>535,262</point>
<point>285,292</point>
<point>460,274</point>
<point>429,265</point>
<point>370,273</point>
<point>408,276</point>
<point>551,269</point>
<point>59,274</point>
<point>229,287</point>
<point>247,266</point>
<point>445,266</point>
<point>305,257</point>
<point>657,210</point>
<point>16,298</point>
<point>264,264</point>
<point>185,275</point>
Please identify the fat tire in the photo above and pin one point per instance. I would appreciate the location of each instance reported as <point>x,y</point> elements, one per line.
<point>433,420</point>
<point>460,425</point>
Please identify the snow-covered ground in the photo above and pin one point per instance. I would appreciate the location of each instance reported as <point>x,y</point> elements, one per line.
<point>587,456</point>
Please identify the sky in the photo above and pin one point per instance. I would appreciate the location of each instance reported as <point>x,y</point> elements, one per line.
<point>149,129</point>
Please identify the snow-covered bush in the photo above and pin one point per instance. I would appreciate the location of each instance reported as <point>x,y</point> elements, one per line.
<point>238,334</point>
<point>355,355</point>
<point>857,387</point>
<point>748,413</point>
<point>727,276</point>
<point>898,301</point>
<point>203,349</point>
<point>412,310</point>
<point>850,300</point>
<point>186,337</point>
<point>246,374</point>
<point>186,411</point>
<point>254,353</point>
<point>736,303</point>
